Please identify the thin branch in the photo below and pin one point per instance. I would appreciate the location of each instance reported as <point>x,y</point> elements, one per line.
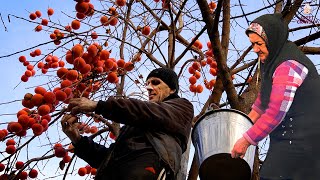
<point>254,12</point>
<point>10,102</point>
<point>307,39</point>
<point>5,28</point>
<point>191,45</point>
<point>304,27</point>
<point>310,50</point>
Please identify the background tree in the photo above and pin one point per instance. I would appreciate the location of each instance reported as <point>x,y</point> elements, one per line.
<point>105,48</point>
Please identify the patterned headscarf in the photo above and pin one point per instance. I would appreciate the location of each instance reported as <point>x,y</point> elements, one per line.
<point>258,29</point>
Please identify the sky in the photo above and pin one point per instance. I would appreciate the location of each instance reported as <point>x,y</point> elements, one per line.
<point>17,35</point>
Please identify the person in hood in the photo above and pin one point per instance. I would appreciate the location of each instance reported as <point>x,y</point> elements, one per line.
<point>287,107</point>
<point>152,140</point>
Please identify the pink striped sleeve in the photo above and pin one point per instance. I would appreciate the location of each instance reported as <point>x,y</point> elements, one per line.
<point>257,105</point>
<point>286,79</point>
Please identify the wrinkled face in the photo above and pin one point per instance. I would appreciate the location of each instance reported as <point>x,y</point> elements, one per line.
<point>157,89</point>
<point>259,46</point>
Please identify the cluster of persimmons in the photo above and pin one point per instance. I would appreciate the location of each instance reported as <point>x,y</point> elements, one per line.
<point>87,64</point>
<point>81,73</point>
<point>196,68</point>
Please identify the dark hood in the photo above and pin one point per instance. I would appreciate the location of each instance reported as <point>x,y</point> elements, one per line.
<point>277,34</point>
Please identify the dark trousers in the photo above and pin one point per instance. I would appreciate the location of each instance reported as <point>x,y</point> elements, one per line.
<point>144,166</point>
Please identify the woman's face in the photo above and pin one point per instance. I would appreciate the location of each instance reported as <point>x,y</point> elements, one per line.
<point>259,46</point>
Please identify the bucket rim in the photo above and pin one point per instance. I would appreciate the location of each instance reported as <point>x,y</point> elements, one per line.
<point>215,111</point>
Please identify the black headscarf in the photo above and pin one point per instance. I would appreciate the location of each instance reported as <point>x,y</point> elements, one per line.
<point>279,48</point>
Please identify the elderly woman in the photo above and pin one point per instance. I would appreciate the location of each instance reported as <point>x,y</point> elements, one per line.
<point>287,107</point>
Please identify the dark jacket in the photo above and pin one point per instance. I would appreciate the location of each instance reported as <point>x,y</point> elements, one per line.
<point>294,143</point>
<point>165,125</point>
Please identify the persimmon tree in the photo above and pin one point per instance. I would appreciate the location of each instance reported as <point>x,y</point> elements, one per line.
<point>107,47</point>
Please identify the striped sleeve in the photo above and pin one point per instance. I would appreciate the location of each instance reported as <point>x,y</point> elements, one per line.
<point>257,105</point>
<point>286,79</point>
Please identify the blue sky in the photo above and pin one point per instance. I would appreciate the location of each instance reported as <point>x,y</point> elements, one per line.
<point>20,35</point>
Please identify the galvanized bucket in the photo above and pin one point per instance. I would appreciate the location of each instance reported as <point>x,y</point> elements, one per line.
<point>213,137</point>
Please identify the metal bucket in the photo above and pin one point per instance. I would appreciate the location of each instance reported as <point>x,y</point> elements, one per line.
<point>213,137</point>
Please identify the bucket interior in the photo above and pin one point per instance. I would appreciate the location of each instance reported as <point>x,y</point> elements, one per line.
<point>223,167</point>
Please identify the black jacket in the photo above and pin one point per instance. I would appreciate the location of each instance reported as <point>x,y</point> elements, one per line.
<point>166,126</point>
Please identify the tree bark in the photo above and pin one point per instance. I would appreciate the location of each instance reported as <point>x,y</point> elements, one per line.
<point>310,50</point>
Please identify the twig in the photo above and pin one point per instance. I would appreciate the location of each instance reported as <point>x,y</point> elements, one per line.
<point>10,102</point>
<point>5,28</point>
<point>17,52</point>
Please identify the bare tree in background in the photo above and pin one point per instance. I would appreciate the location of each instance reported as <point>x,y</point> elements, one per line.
<point>105,48</point>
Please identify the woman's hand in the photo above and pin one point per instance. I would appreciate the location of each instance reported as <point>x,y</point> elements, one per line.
<point>69,125</point>
<point>240,148</point>
<point>78,105</point>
